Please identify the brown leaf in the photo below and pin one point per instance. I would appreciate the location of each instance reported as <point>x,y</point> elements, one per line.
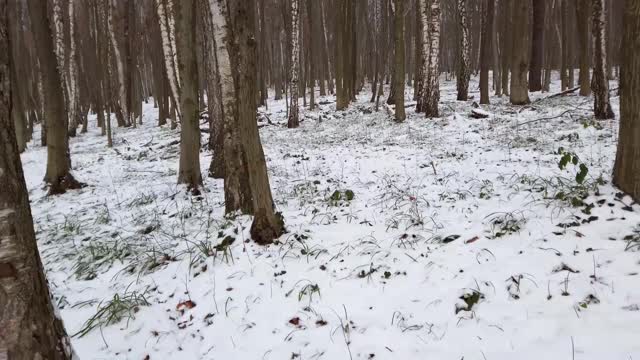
<point>473,239</point>
<point>186,305</point>
<point>295,321</point>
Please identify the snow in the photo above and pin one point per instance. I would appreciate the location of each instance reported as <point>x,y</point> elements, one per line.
<point>376,277</point>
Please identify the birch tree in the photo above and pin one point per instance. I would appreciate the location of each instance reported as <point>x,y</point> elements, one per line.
<point>398,80</point>
<point>464,72</point>
<point>600,83</point>
<point>294,112</point>
<point>237,194</point>
<point>167,31</point>
<point>431,69</point>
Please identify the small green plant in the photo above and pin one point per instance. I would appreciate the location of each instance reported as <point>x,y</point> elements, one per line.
<point>308,289</point>
<point>114,310</point>
<point>94,256</point>
<point>71,225</point>
<point>341,197</point>
<point>571,158</point>
<point>503,224</point>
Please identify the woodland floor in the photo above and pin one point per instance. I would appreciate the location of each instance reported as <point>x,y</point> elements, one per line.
<point>462,239</point>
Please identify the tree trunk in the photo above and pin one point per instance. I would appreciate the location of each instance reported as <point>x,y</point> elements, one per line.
<point>431,92</point>
<point>189,169</point>
<point>626,171</point>
<point>485,57</point>
<point>600,82</point>
<point>237,194</point>
<point>267,225</point>
<point>29,329</point>
<point>464,72</point>
<point>537,46</point>
<point>58,175</point>
<point>506,44</point>
<point>582,16</point>
<point>519,57</point>
<point>398,81</point>
<point>294,113</point>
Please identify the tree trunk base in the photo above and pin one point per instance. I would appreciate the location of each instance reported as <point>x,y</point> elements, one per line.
<point>264,229</point>
<point>64,183</point>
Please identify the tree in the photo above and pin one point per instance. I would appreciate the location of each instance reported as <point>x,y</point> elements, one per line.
<point>28,327</point>
<point>189,169</point>
<point>626,171</point>
<point>267,224</point>
<point>398,80</point>
<point>237,193</point>
<point>519,55</point>
<point>464,72</point>
<point>485,57</point>
<point>431,73</point>
<point>600,82</point>
<point>582,16</point>
<point>58,176</point>
<point>537,46</point>
<point>294,112</point>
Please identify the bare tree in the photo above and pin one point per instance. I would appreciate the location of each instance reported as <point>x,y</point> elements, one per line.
<point>398,81</point>
<point>582,16</point>
<point>485,48</point>
<point>537,46</point>
<point>58,175</point>
<point>519,56</point>
<point>267,224</point>
<point>189,170</point>
<point>626,171</point>
<point>28,326</point>
<point>600,82</point>
<point>294,112</point>
<point>431,74</point>
<point>464,72</point>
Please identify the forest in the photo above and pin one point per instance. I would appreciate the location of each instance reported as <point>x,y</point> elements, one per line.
<point>319,179</point>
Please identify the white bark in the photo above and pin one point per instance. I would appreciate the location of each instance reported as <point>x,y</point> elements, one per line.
<point>167,33</point>
<point>295,64</point>
<point>432,83</point>
<point>73,70</point>
<point>118,58</point>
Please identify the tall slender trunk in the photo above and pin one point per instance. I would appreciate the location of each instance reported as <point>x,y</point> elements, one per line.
<point>600,82</point>
<point>626,171</point>
<point>519,59</point>
<point>582,16</point>
<point>267,225</point>
<point>237,194</point>
<point>189,167</point>
<point>485,57</point>
<point>464,73</point>
<point>294,113</point>
<point>537,46</point>
<point>398,81</point>
<point>58,175</point>
<point>431,95</point>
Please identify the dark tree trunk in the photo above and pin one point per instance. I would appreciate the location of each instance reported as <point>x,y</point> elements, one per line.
<point>626,171</point>
<point>58,175</point>
<point>189,172</point>
<point>267,225</point>
<point>485,56</point>
<point>537,46</point>
<point>29,329</point>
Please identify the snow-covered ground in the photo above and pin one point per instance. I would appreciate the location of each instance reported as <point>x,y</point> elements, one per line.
<point>462,238</point>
